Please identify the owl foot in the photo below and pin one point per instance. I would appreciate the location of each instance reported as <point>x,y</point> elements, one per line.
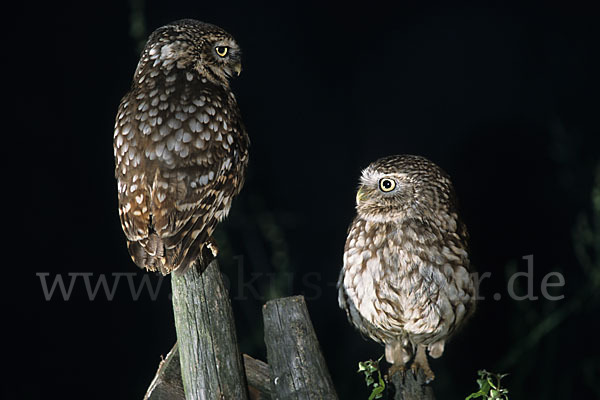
<point>420,363</point>
<point>397,369</point>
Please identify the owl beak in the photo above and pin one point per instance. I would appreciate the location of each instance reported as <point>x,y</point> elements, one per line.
<point>360,195</point>
<point>238,68</point>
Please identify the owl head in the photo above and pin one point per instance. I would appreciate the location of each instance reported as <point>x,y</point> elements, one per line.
<point>192,46</point>
<point>397,187</point>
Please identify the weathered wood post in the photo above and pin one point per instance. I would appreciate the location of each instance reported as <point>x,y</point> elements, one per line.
<point>206,364</point>
<point>167,384</point>
<point>298,369</point>
<point>211,365</point>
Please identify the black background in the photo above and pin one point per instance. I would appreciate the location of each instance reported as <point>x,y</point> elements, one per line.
<point>503,96</point>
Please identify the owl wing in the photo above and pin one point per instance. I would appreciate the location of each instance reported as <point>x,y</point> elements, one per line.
<point>192,161</point>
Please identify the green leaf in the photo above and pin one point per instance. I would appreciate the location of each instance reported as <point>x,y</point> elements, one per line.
<point>488,390</point>
<point>376,383</point>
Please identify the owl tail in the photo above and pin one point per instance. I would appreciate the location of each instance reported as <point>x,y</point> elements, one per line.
<point>151,254</point>
<point>194,247</point>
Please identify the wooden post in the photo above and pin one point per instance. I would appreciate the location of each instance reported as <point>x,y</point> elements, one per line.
<point>410,387</point>
<point>211,365</point>
<point>298,369</point>
<point>207,364</point>
<point>167,384</point>
<point>258,377</point>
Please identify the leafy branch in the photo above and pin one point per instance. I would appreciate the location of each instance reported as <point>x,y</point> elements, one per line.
<point>489,387</point>
<point>371,368</point>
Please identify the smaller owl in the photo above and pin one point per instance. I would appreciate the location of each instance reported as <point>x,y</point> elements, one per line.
<point>406,279</point>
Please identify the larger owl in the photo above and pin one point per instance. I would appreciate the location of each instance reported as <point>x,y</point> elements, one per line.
<point>180,147</point>
<point>406,279</point>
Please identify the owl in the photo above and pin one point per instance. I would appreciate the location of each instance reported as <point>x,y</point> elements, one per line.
<point>406,280</point>
<point>180,146</point>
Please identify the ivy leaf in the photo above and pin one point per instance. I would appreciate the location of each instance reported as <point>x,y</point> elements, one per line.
<point>489,387</point>
<point>373,377</point>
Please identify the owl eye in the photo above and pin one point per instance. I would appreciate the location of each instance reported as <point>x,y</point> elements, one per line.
<point>387,184</point>
<point>222,50</point>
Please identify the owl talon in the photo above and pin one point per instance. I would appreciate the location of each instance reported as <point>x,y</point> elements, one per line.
<point>429,375</point>
<point>420,363</point>
<point>397,369</point>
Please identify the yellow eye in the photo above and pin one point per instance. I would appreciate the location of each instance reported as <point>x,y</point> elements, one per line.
<point>222,50</point>
<point>387,184</point>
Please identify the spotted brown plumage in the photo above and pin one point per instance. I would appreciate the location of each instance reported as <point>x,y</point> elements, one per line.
<point>406,279</point>
<point>180,147</point>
